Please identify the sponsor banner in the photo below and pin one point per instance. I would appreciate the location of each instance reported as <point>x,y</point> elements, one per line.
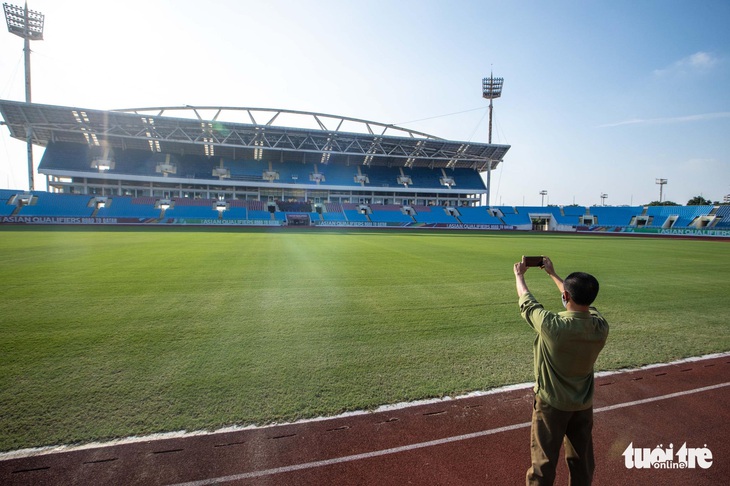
<point>225,222</point>
<point>680,231</point>
<point>352,224</point>
<point>236,222</point>
<point>472,226</point>
<point>719,233</point>
<point>367,224</point>
<point>64,220</point>
<point>148,221</point>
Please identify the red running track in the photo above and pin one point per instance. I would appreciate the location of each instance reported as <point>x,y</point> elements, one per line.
<point>476,440</point>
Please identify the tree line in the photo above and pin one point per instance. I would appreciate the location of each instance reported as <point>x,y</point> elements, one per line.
<point>695,201</point>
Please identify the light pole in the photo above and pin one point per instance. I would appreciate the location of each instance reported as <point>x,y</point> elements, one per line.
<point>661,183</point>
<point>491,89</point>
<point>27,24</point>
<point>603,199</point>
<point>543,193</point>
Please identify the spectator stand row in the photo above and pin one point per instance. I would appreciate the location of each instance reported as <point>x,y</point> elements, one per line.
<point>155,210</point>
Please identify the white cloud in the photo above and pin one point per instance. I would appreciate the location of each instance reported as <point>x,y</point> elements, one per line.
<point>701,60</point>
<point>669,120</point>
<point>697,62</point>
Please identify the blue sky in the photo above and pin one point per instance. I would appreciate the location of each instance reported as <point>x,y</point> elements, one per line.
<point>599,96</point>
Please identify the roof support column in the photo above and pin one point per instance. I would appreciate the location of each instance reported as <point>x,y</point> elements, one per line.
<point>29,148</point>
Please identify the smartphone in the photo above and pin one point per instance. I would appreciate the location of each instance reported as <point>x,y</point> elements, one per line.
<point>533,261</point>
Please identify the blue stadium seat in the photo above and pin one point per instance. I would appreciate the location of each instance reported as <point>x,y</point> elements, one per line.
<point>506,209</point>
<point>517,219</point>
<point>259,214</point>
<point>6,209</point>
<point>354,215</point>
<point>554,210</point>
<point>568,220</point>
<point>477,215</point>
<point>723,213</point>
<point>78,157</point>
<point>574,210</point>
<point>125,207</point>
<point>338,175</point>
<point>6,194</point>
<point>435,214</point>
<point>235,213</point>
<point>615,216</point>
<point>380,215</point>
<point>684,211</point>
<point>58,205</point>
<point>682,222</point>
<point>334,216</point>
<point>204,212</point>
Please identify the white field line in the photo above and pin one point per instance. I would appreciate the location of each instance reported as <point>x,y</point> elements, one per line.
<point>37,451</point>
<point>430,443</point>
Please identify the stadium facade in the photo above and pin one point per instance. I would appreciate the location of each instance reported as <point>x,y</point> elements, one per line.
<point>196,152</point>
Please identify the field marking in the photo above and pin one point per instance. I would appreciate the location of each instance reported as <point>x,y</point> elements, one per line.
<point>38,451</point>
<point>430,443</point>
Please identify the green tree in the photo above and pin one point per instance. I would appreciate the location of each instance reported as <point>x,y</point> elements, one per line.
<point>699,201</point>
<point>663,203</point>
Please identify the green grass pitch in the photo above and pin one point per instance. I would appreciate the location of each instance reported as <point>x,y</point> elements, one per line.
<point>114,332</point>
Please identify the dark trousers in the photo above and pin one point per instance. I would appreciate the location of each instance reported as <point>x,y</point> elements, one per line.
<point>550,429</point>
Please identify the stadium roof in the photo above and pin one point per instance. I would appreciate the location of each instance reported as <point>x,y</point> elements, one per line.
<point>203,131</point>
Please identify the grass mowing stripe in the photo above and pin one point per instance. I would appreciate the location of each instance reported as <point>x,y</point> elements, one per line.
<point>116,333</point>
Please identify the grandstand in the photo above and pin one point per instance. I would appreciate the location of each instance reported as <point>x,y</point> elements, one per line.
<point>42,207</point>
<point>275,156</point>
<point>607,216</point>
<point>143,166</point>
<point>723,215</point>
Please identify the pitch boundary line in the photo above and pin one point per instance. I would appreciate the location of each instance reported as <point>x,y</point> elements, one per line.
<point>430,443</point>
<point>38,451</point>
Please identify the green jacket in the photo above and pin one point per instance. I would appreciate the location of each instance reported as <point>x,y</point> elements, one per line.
<point>565,350</point>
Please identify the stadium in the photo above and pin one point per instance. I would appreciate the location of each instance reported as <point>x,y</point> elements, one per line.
<point>217,294</point>
<point>189,166</point>
<point>189,288</point>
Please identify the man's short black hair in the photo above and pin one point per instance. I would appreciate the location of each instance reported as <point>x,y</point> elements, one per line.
<point>582,287</point>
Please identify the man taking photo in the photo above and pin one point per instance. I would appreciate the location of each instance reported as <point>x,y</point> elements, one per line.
<point>565,350</point>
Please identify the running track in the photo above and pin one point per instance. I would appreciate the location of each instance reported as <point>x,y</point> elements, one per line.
<point>474,440</point>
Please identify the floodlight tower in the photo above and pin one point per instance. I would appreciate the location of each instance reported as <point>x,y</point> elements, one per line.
<point>661,183</point>
<point>27,24</point>
<point>603,198</point>
<point>543,193</point>
<point>491,89</point>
